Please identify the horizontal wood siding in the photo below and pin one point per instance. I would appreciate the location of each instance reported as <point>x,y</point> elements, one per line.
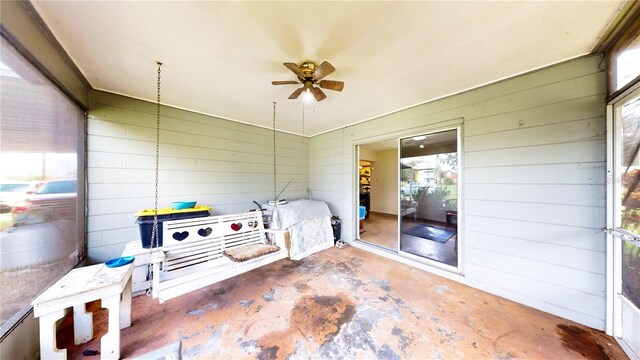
<point>217,162</point>
<point>533,192</point>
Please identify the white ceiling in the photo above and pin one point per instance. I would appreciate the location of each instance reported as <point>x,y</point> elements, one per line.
<point>220,57</point>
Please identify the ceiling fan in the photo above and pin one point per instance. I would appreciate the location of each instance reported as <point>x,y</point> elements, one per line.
<point>309,74</point>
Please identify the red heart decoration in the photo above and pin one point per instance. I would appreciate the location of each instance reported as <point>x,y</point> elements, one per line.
<point>236,226</point>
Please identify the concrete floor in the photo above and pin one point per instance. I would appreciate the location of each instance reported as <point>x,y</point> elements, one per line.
<point>348,303</point>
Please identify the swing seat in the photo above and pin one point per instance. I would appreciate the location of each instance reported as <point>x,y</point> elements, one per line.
<point>198,252</point>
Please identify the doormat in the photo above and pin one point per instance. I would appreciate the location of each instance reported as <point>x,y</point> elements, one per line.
<point>430,233</point>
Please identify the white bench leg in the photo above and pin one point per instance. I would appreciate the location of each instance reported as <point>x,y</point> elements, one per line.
<point>48,349</point>
<point>82,324</point>
<point>125,306</point>
<point>110,342</point>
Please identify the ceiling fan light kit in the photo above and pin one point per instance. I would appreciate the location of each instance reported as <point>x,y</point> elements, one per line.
<point>310,76</point>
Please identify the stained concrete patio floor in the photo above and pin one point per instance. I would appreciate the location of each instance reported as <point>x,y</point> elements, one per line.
<point>347,304</point>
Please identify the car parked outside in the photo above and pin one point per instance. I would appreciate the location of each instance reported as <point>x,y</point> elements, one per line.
<point>12,194</point>
<point>53,200</point>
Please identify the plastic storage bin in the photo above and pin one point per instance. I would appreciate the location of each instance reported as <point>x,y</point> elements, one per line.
<point>145,220</point>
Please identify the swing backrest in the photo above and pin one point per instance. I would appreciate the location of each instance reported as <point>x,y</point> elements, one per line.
<point>195,241</point>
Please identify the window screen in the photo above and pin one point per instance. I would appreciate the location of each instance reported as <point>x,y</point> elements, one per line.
<point>41,202</point>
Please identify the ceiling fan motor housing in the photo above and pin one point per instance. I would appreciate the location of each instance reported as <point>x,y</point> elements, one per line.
<point>308,68</point>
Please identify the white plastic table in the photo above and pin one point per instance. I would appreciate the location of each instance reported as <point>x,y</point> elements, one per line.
<point>76,289</point>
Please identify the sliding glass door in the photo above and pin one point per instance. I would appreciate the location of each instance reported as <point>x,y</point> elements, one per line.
<point>428,202</point>
<point>408,190</point>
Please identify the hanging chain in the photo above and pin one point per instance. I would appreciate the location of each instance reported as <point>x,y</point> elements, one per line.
<point>302,119</point>
<point>274,151</point>
<point>155,234</point>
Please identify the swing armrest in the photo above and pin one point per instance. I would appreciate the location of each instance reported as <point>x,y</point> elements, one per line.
<point>279,236</point>
<point>157,258</point>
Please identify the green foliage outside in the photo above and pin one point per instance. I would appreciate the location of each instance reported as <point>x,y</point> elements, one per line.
<point>631,250</point>
<point>441,194</point>
<point>631,209</point>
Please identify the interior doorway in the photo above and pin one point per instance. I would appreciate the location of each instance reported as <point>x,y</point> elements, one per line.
<point>378,193</point>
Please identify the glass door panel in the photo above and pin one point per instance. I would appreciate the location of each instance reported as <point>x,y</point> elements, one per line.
<point>629,173</point>
<point>429,196</point>
<point>626,232</point>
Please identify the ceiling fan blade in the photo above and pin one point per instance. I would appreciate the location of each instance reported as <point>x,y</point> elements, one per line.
<point>295,94</point>
<point>332,85</point>
<point>284,82</point>
<point>294,67</point>
<point>318,94</point>
<point>323,70</point>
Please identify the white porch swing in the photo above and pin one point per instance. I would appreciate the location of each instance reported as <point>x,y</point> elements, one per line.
<point>202,251</point>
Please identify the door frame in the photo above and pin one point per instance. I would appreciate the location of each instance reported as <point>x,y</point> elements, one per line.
<point>437,267</point>
<point>613,323</point>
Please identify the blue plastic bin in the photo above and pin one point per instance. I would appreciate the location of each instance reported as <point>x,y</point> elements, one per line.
<point>363,212</point>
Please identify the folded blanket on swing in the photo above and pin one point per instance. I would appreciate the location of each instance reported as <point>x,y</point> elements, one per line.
<point>244,253</point>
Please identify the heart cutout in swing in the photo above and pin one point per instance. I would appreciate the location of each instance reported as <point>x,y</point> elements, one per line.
<point>236,226</point>
<point>205,232</point>
<point>180,235</point>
